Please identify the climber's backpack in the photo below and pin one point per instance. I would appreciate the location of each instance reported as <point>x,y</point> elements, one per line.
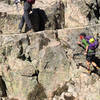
<point>31,1</point>
<point>93,43</point>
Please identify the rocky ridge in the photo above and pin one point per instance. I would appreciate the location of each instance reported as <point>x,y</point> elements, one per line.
<point>48,65</point>
<point>46,60</point>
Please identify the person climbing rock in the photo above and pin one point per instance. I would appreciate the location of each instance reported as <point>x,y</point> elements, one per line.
<point>25,17</point>
<point>89,43</point>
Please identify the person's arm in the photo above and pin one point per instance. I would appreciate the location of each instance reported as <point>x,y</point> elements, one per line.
<point>87,48</point>
<point>79,43</point>
<point>86,45</point>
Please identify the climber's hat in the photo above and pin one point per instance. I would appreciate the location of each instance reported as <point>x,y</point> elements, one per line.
<point>82,35</point>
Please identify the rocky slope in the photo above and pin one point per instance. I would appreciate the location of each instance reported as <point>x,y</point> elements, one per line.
<point>65,13</point>
<point>79,13</point>
<point>39,67</point>
<point>40,16</point>
<point>49,65</point>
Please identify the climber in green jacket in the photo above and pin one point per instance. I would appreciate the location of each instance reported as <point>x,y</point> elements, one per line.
<point>89,43</point>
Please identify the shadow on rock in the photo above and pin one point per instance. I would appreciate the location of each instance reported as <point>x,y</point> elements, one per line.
<point>94,9</point>
<point>3,88</point>
<point>64,89</point>
<point>60,90</point>
<point>97,71</point>
<point>43,41</point>
<point>69,97</point>
<point>38,93</point>
<point>38,19</point>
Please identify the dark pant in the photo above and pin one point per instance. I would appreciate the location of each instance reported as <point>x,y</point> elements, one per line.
<point>25,17</point>
<point>90,57</point>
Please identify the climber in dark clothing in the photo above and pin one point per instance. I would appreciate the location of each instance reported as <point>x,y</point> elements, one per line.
<point>25,17</point>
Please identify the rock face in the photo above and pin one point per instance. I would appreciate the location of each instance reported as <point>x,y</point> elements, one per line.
<point>43,66</point>
<point>65,13</point>
<point>40,17</point>
<point>24,55</point>
<point>49,65</point>
<point>81,12</point>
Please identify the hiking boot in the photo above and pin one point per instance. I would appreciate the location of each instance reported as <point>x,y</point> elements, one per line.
<point>89,72</point>
<point>97,67</point>
<point>30,31</point>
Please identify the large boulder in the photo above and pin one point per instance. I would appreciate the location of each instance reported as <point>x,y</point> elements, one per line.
<point>47,60</point>
<point>31,60</point>
<point>49,65</point>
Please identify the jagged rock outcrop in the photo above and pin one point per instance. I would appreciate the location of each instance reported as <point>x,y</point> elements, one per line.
<point>46,60</point>
<point>49,65</point>
<point>81,12</point>
<point>22,56</point>
<point>40,17</point>
<point>65,13</point>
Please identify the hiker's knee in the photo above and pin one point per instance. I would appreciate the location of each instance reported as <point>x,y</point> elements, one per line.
<point>93,63</point>
<point>88,62</point>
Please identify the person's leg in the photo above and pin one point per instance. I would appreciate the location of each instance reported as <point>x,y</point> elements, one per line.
<point>88,65</point>
<point>21,23</point>
<point>88,62</point>
<point>93,61</point>
<point>27,9</point>
<point>95,65</point>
